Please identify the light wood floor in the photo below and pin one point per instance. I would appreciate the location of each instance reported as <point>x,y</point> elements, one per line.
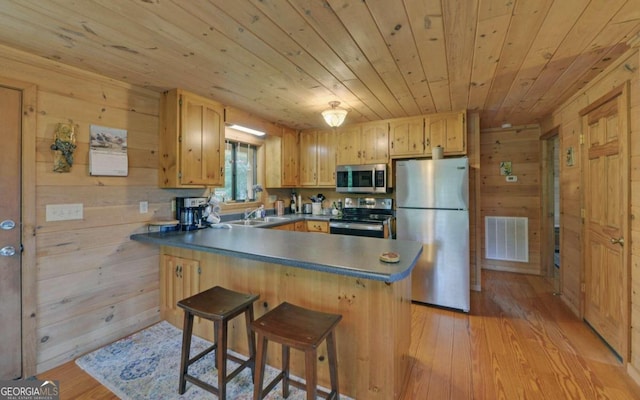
<point>518,342</point>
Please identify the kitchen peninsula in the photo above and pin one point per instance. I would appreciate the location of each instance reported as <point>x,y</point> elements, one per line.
<point>332,273</point>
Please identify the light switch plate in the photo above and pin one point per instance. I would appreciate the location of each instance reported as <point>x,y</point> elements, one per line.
<point>144,207</point>
<point>64,212</point>
<point>512,178</point>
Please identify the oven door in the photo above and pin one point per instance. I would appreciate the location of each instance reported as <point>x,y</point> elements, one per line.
<point>357,229</point>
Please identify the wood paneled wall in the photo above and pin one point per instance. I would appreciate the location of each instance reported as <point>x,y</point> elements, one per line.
<point>94,285</point>
<point>521,146</point>
<point>567,118</point>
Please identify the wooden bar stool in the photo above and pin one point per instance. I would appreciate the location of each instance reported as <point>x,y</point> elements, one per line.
<point>302,329</point>
<point>219,305</point>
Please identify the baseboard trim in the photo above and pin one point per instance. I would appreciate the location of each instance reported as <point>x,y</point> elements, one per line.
<point>634,373</point>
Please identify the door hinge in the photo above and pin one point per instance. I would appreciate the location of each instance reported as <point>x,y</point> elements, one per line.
<point>582,138</point>
<point>583,213</point>
<point>180,101</point>
<point>583,287</point>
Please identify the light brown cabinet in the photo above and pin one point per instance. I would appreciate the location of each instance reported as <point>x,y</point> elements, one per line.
<point>447,130</point>
<point>191,141</point>
<point>366,143</point>
<point>318,226</point>
<point>318,158</point>
<point>406,137</point>
<point>282,154</point>
<point>298,226</point>
<point>179,278</point>
<point>417,136</point>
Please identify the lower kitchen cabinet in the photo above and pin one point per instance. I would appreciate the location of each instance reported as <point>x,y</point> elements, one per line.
<point>298,226</point>
<point>318,226</point>
<point>179,278</point>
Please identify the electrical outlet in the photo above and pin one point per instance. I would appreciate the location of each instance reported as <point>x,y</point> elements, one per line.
<point>64,212</point>
<point>512,178</point>
<point>173,206</point>
<point>144,207</point>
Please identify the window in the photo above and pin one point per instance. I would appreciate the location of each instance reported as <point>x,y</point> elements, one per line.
<point>240,171</point>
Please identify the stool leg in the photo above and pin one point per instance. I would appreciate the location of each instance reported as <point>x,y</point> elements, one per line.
<point>285,369</point>
<point>333,364</point>
<point>251,338</point>
<point>186,349</point>
<point>221,358</point>
<point>261,359</point>
<point>310,370</point>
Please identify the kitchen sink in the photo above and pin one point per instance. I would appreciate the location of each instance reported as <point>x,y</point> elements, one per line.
<point>258,221</point>
<point>247,222</point>
<point>273,219</point>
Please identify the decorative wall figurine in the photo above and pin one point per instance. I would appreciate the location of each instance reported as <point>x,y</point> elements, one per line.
<point>505,168</point>
<point>570,160</point>
<point>64,145</point>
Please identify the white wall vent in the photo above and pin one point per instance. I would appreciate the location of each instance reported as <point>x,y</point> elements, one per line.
<point>506,238</point>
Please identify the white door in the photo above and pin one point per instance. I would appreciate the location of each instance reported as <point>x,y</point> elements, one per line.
<point>10,259</point>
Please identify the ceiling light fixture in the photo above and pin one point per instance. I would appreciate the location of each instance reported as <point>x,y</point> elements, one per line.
<point>247,130</point>
<point>334,116</point>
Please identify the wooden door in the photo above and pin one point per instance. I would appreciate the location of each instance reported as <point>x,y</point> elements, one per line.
<point>374,143</point>
<point>202,142</point>
<point>10,235</point>
<point>606,179</point>
<point>406,136</point>
<point>326,153</point>
<point>308,158</point>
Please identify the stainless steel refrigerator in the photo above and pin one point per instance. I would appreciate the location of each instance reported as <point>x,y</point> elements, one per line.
<point>432,207</point>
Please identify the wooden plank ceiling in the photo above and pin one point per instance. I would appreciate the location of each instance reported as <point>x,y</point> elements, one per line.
<point>284,60</point>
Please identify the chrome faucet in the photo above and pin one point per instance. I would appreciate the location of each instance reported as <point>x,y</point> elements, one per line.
<point>249,212</point>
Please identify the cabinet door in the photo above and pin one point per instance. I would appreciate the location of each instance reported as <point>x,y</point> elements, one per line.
<point>179,278</point>
<point>326,156</point>
<point>448,130</point>
<point>318,226</point>
<point>285,227</point>
<point>289,157</point>
<point>308,158</point>
<point>349,145</point>
<point>201,142</point>
<point>374,143</point>
<point>300,226</point>
<point>406,137</point>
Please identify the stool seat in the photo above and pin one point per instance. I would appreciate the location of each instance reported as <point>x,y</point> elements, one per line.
<point>218,305</point>
<point>302,329</point>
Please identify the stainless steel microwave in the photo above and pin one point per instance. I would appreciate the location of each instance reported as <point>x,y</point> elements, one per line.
<point>370,178</point>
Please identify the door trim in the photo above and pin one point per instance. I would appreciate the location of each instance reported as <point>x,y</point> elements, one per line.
<point>28,215</point>
<point>547,236</point>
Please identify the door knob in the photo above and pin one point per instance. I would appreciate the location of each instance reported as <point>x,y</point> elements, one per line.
<point>7,251</point>
<point>7,225</point>
<point>619,241</point>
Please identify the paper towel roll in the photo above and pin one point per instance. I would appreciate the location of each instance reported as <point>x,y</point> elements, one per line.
<point>436,153</point>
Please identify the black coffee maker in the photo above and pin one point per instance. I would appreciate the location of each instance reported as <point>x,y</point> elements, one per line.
<point>190,212</point>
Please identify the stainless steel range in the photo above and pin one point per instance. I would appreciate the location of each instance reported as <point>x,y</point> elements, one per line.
<point>372,217</point>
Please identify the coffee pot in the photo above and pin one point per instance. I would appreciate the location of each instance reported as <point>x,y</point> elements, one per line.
<point>190,212</point>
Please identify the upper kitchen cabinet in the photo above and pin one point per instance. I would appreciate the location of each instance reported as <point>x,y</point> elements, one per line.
<point>318,158</point>
<point>191,141</point>
<point>282,159</point>
<point>406,137</point>
<point>366,143</point>
<point>447,130</point>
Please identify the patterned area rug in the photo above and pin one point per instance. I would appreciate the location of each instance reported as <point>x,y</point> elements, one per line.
<point>145,366</point>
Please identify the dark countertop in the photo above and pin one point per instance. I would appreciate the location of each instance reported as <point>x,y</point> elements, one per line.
<point>338,254</point>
